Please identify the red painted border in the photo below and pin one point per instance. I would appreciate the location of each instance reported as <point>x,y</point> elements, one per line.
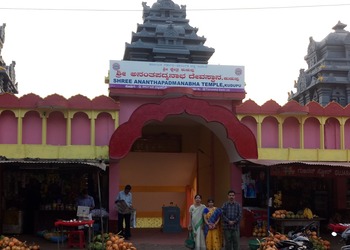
<point>127,133</point>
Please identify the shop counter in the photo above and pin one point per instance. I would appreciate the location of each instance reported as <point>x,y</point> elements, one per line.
<point>70,225</point>
<point>283,223</point>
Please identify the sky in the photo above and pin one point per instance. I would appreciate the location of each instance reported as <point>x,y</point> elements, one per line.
<point>64,46</point>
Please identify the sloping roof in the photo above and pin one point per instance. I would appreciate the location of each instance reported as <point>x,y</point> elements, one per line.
<point>50,163</point>
<point>271,163</point>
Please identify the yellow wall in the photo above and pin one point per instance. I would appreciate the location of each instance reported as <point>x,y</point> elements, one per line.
<point>15,151</point>
<point>304,154</point>
<point>157,179</point>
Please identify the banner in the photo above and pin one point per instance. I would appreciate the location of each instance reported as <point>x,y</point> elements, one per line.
<point>158,75</point>
<point>309,171</point>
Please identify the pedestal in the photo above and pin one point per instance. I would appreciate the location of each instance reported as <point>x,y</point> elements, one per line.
<point>171,219</point>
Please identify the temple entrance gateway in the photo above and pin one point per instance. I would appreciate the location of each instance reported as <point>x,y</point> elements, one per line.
<point>175,155</point>
<point>178,134</point>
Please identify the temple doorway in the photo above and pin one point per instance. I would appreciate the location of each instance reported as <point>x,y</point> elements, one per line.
<point>171,162</point>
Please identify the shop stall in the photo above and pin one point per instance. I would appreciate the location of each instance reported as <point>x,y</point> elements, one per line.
<point>45,191</point>
<point>292,187</point>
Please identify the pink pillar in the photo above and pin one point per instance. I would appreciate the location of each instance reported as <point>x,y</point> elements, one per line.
<point>189,202</point>
<point>236,182</point>
<point>114,184</point>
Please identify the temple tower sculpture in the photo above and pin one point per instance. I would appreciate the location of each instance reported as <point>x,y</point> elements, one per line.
<point>327,78</point>
<point>7,73</point>
<point>166,36</point>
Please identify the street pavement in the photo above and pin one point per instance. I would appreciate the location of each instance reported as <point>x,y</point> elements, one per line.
<point>155,239</point>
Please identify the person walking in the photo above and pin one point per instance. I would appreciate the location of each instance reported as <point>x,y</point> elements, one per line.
<point>212,226</point>
<point>125,209</point>
<point>231,216</point>
<point>197,221</point>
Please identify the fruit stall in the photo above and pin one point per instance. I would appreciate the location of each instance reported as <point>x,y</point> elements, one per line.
<point>308,225</point>
<point>36,196</point>
<point>289,197</point>
<point>294,205</point>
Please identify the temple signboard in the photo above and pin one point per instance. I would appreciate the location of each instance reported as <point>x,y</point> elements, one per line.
<point>161,75</point>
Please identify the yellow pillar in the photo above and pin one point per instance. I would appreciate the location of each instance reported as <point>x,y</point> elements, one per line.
<point>116,120</point>
<point>258,132</point>
<point>322,122</point>
<point>280,132</point>
<point>342,133</point>
<point>43,116</point>
<point>69,128</point>
<point>20,126</point>
<point>93,125</point>
<point>302,137</point>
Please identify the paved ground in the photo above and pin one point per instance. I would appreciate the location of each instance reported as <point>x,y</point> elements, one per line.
<point>154,239</point>
<point>150,239</point>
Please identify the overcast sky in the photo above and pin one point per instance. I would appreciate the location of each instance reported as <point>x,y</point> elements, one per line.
<point>64,46</point>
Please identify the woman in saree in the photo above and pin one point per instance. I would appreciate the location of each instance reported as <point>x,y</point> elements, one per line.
<point>212,228</point>
<point>197,221</point>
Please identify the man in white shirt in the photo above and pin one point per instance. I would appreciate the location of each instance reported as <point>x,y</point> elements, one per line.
<point>125,209</point>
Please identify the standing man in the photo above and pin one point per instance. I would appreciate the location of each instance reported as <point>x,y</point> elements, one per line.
<point>125,209</point>
<point>85,199</point>
<point>231,214</point>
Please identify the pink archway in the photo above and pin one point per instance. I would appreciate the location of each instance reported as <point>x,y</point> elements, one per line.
<point>236,133</point>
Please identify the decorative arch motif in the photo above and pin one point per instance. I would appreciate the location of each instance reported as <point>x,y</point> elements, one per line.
<point>291,133</point>
<point>312,133</point>
<point>32,128</point>
<point>269,129</point>
<point>251,123</point>
<point>81,127</point>
<point>332,137</point>
<point>127,133</point>
<point>8,127</point>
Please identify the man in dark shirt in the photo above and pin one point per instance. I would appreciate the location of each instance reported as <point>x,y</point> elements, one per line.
<point>231,214</point>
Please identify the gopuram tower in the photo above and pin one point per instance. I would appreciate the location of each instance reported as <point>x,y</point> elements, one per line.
<point>327,78</point>
<point>166,36</point>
